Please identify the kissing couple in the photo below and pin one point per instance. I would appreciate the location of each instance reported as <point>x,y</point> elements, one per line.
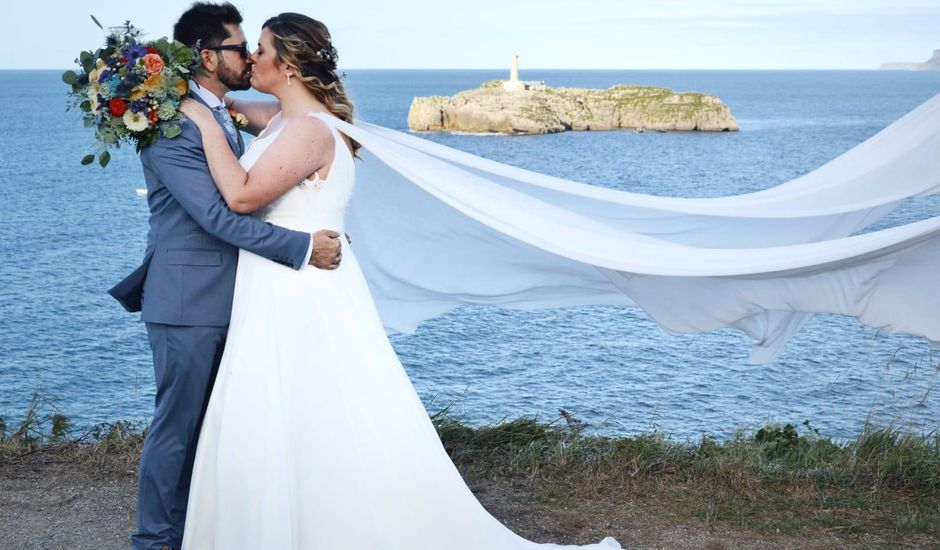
<point>283,417</point>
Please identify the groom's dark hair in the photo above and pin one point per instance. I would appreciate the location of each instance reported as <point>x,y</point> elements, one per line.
<point>204,21</point>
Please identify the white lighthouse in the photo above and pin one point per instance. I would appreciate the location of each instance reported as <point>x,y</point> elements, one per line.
<point>514,84</point>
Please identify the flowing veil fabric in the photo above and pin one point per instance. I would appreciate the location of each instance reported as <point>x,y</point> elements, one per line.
<point>437,228</point>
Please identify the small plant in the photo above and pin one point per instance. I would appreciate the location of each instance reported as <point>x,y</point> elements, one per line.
<point>61,428</point>
<point>778,442</point>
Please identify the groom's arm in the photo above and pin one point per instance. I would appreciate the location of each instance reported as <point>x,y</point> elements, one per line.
<point>181,166</point>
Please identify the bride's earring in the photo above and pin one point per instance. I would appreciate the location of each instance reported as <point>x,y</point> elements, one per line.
<point>288,78</point>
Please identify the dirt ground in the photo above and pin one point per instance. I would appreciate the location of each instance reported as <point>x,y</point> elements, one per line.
<point>53,504</point>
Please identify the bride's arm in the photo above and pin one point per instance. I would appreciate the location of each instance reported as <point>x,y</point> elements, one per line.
<point>300,149</point>
<point>258,112</point>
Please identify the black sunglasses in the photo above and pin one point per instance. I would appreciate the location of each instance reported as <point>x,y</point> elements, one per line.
<point>238,48</point>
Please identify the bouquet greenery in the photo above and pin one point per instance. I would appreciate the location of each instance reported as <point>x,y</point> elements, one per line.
<point>129,90</point>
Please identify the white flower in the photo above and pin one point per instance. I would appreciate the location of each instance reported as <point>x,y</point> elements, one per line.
<point>93,98</point>
<point>135,122</point>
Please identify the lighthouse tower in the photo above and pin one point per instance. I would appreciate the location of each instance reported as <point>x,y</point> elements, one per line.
<point>514,84</point>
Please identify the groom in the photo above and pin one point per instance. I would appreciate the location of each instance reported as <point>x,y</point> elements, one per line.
<point>184,287</point>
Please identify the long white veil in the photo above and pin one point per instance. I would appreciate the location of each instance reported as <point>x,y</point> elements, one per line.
<point>435,228</point>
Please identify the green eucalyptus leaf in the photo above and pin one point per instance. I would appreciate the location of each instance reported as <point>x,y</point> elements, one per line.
<point>100,26</point>
<point>70,78</point>
<point>163,46</point>
<point>85,106</point>
<point>88,159</point>
<point>172,130</point>
<point>104,159</point>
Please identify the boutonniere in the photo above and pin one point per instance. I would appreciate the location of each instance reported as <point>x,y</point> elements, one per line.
<point>239,119</point>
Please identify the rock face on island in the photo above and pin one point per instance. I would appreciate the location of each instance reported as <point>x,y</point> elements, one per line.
<point>542,110</point>
<point>932,64</point>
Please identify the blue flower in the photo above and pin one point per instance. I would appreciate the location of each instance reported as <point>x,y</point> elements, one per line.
<point>138,106</point>
<point>123,88</point>
<point>133,52</point>
<point>133,78</point>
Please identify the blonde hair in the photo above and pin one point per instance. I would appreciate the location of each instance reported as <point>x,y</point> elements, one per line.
<point>304,44</point>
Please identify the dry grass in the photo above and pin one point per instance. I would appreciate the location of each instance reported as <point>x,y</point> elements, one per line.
<point>776,481</point>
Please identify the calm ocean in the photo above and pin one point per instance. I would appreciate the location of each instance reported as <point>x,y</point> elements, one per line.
<point>68,232</point>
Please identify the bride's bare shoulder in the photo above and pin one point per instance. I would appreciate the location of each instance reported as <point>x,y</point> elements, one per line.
<point>312,127</point>
<point>301,139</point>
<point>331,117</point>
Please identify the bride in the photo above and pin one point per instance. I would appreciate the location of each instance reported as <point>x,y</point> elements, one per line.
<point>314,436</point>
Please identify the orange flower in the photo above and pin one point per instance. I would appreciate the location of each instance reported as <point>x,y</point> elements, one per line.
<point>154,82</point>
<point>137,93</point>
<point>240,120</point>
<point>153,62</point>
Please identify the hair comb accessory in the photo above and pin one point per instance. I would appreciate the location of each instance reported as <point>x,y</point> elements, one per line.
<point>328,54</point>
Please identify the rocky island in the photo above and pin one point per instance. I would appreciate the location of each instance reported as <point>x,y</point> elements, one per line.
<point>519,107</point>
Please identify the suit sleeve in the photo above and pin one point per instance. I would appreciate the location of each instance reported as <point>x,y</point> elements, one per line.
<point>181,165</point>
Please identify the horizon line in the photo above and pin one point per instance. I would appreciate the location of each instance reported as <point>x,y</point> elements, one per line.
<point>542,69</point>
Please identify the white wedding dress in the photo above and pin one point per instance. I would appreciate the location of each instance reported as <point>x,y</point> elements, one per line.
<point>314,437</point>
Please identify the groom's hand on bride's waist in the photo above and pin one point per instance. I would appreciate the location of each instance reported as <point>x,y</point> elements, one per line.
<point>327,249</point>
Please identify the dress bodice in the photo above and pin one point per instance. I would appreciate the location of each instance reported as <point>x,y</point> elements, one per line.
<point>312,204</point>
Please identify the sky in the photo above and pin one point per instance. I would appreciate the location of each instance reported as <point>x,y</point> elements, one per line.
<point>546,34</point>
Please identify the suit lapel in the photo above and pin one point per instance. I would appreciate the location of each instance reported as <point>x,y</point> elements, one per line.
<point>235,143</point>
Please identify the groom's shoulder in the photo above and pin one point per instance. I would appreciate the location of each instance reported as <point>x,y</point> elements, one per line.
<point>188,141</point>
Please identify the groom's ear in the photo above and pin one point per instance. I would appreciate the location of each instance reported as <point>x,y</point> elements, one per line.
<point>209,60</point>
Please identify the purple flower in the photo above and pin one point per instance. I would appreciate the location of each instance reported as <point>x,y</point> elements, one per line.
<point>138,106</point>
<point>133,52</point>
<point>104,75</point>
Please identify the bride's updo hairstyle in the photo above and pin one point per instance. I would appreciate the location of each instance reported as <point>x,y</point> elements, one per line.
<point>304,44</point>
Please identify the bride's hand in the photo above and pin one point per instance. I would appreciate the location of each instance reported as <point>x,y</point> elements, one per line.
<point>197,112</point>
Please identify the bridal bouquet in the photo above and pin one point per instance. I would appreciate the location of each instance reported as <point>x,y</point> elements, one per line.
<point>129,91</point>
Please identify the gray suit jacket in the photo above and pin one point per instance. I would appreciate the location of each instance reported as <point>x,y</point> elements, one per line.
<point>188,273</point>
